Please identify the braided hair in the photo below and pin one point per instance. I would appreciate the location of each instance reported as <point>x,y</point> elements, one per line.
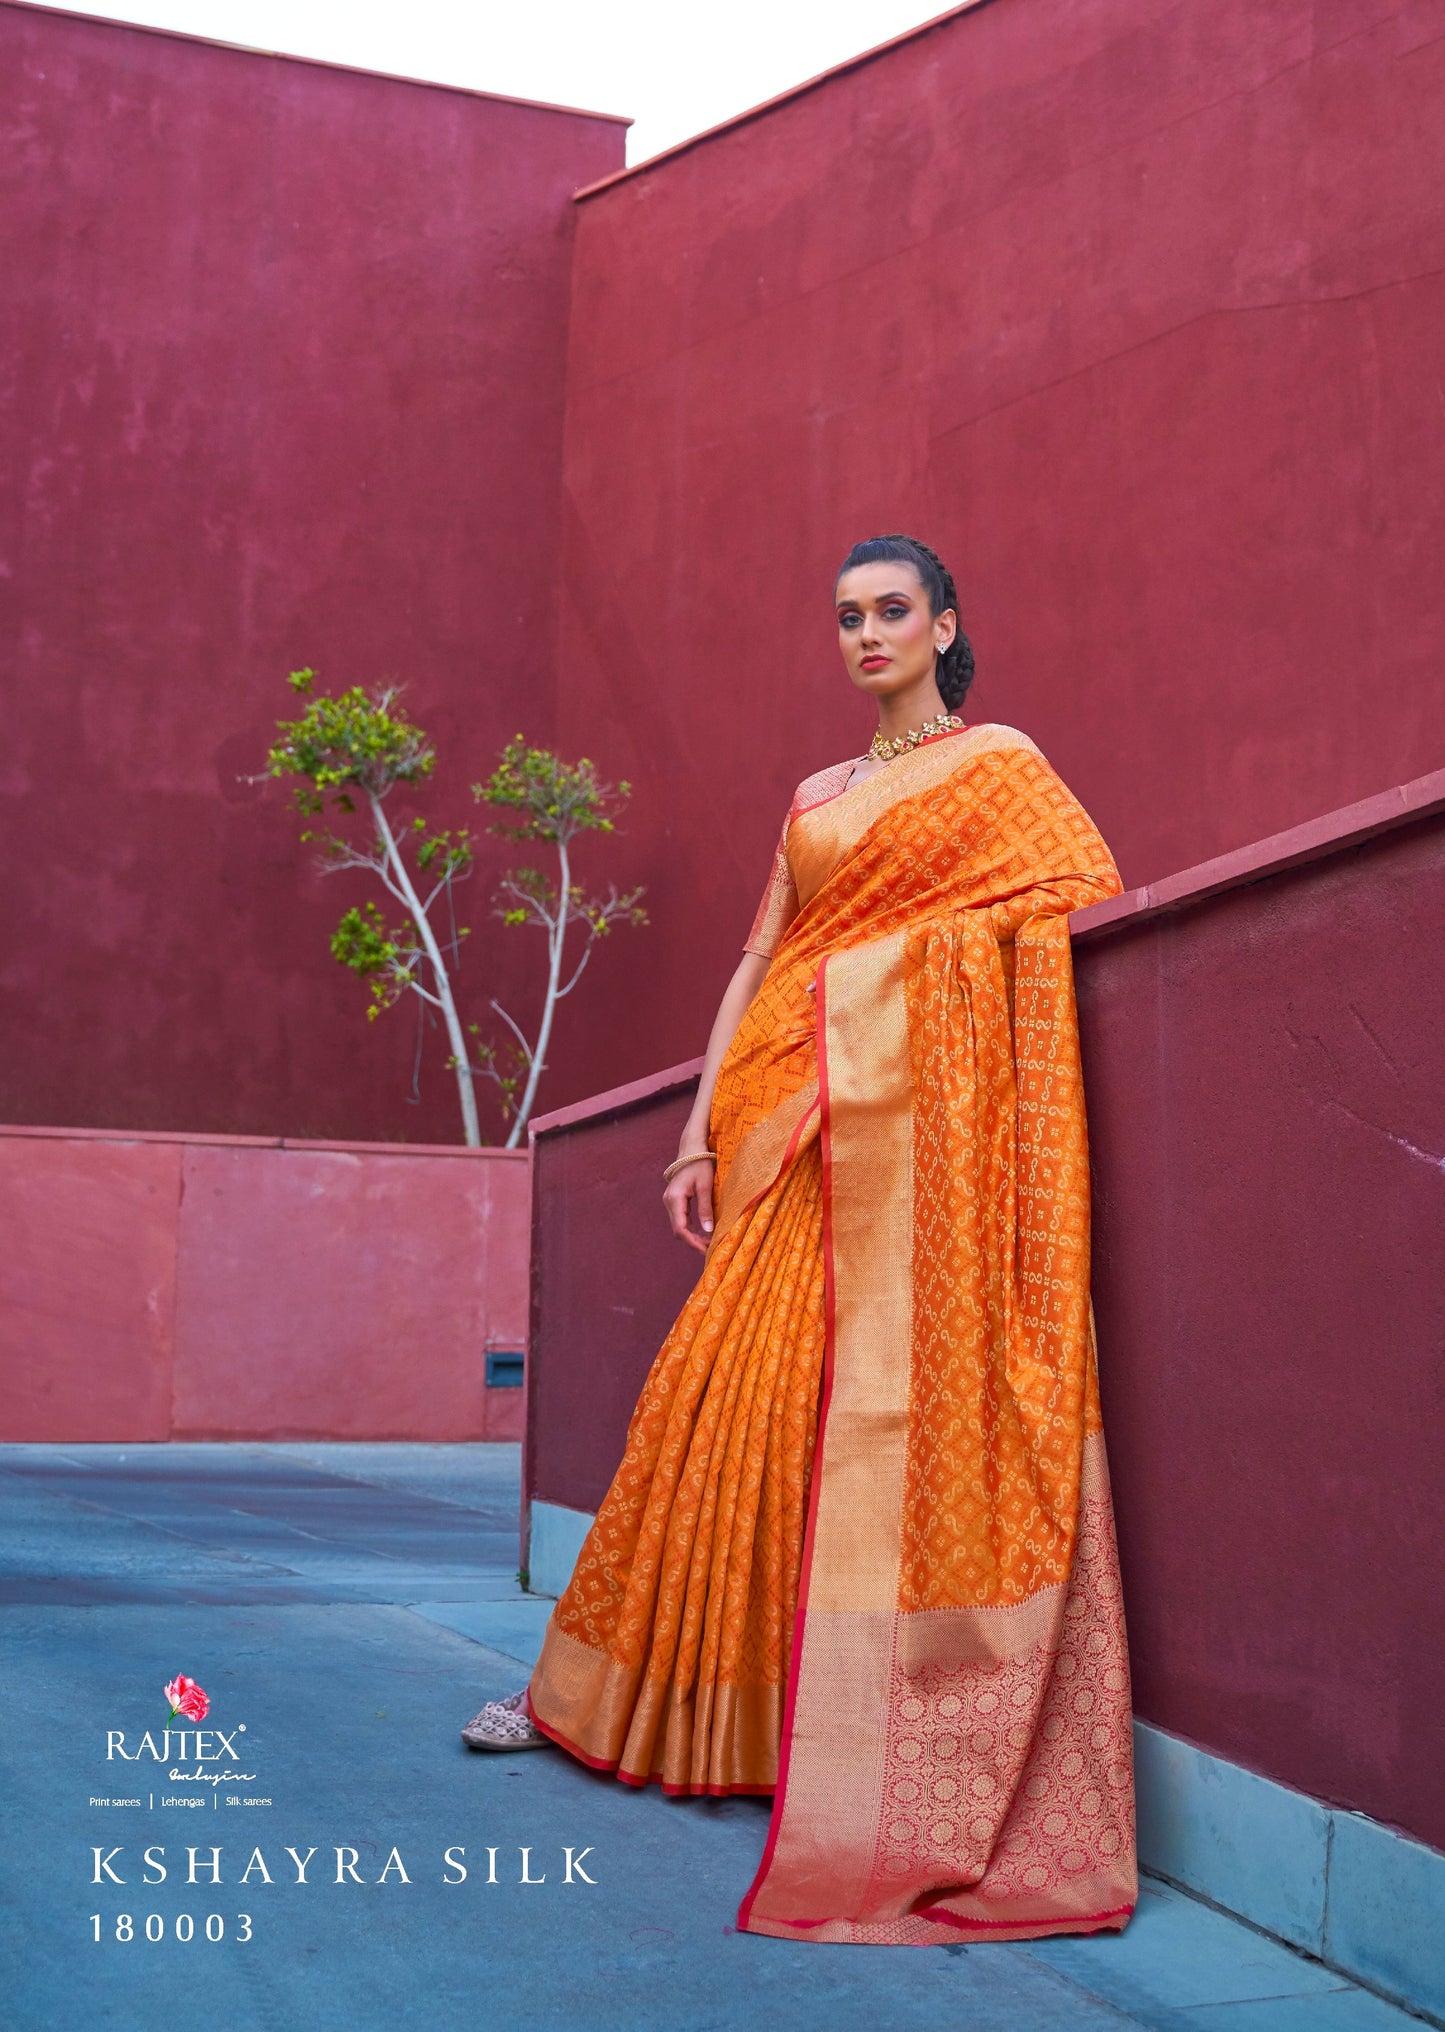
<point>954,674</point>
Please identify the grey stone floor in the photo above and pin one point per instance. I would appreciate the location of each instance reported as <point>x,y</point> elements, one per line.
<point>351,1606</point>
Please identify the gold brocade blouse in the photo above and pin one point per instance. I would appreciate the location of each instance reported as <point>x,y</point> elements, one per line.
<point>779,905</point>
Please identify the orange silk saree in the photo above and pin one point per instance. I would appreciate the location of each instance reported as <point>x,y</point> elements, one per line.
<point>860,1550</point>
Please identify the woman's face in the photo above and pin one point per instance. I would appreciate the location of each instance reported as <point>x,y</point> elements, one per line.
<point>886,631</point>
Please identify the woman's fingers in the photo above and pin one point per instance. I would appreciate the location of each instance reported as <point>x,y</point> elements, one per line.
<point>688,1233</point>
<point>675,1200</point>
<point>694,1183</point>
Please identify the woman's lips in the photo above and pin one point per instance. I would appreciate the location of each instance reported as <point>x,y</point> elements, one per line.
<point>875,662</point>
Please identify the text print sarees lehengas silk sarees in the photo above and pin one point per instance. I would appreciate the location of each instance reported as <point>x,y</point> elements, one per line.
<point>860,1551</point>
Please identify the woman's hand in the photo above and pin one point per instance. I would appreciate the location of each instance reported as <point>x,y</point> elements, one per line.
<point>691,1187</point>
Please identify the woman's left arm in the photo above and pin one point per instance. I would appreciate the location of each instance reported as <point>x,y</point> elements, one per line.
<point>695,1181</point>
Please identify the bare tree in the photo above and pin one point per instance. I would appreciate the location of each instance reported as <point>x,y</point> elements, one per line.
<point>352,751</point>
<point>554,801</point>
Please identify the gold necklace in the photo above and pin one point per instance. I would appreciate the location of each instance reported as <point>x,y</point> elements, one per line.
<point>885,746</point>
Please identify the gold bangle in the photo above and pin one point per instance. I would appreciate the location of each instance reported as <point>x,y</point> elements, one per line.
<point>693,1157</point>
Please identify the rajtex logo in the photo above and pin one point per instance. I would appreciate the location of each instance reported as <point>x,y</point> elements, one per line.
<point>204,1747</point>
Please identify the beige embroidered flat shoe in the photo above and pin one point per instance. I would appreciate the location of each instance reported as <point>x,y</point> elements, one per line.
<point>504,1725</point>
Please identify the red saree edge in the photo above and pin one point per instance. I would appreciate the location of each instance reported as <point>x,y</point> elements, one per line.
<point>1088,1922</point>
<point>614,1770</point>
<point>979,1929</point>
<point>715,1791</point>
<point>744,1919</point>
<point>566,1743</point>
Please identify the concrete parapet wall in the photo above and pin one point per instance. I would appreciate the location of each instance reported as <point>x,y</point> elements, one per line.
<point>173,1287</point>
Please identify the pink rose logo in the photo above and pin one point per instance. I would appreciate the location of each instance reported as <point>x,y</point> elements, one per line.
<point>188,1699</point>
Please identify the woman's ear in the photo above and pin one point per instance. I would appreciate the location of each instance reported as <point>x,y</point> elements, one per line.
<point>945,627</point>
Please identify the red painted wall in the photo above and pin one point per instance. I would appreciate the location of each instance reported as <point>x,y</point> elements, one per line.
<point>608,1280</point>
<point>160,1287</point>
<point>1132,309</point>
<point>282,353</point>
<point>1267,1131</point>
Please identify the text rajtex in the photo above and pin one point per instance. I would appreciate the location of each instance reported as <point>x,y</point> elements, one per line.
<point>202,1738</point>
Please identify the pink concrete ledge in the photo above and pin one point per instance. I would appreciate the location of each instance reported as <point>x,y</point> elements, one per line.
<point>162,1286</point>
<point>1313,841</point>
<point>491,1153</point>
<point>206,1138</point>
<point>38,1131</point>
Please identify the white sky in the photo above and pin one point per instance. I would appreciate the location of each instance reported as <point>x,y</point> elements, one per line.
<point>677,66</point>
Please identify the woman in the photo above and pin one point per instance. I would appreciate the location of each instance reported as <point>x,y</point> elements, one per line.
<point>860,1550</point>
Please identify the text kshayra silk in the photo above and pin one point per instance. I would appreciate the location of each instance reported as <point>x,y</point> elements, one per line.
<point>203,1866</point>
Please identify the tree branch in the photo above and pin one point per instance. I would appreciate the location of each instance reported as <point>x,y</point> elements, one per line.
<point>527,1049</point>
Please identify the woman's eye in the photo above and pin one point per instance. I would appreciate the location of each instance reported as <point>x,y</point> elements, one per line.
<point>848,620</point>
<point>894,613</point>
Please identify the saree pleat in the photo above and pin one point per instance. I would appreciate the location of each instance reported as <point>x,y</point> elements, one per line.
<point>860,1550</point>
<point>668,1654</point>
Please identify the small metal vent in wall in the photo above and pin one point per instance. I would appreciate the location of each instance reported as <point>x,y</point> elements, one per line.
<point>505,1368</point>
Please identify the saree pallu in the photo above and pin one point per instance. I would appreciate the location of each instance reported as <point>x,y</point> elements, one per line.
<point>860,1551</point>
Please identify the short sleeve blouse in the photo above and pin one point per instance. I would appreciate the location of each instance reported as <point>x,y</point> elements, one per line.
<point>779,904</point>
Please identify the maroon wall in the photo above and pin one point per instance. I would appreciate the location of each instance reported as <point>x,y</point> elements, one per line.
<point>282,350</point>
<point>1134,310</point>
<point>1268,1136</point>
<point>1267,1127</point>
<point>183,1287</point>
<point>608,1278</point>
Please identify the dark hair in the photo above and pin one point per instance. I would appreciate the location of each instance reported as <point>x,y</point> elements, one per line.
<point>955,665</point>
